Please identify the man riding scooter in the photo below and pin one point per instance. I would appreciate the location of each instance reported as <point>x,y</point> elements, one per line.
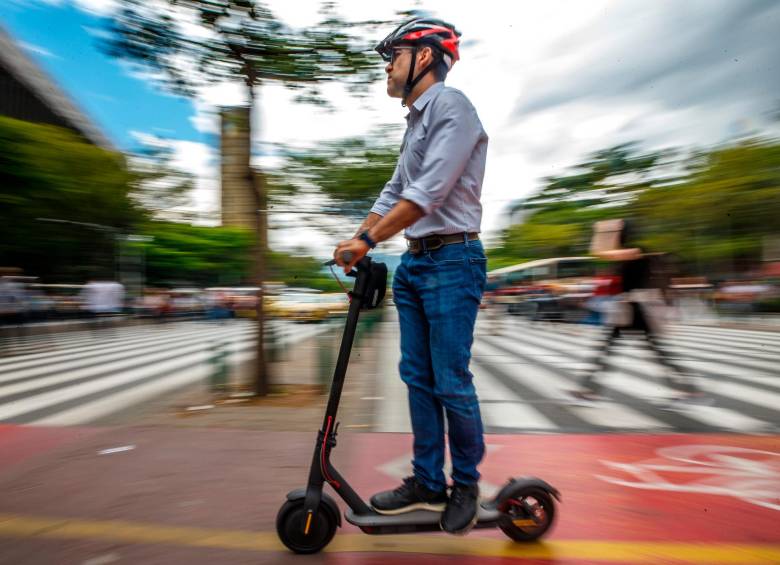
<point>434,196</point>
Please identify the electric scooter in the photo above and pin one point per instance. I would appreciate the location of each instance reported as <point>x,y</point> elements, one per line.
<point>524,508</point>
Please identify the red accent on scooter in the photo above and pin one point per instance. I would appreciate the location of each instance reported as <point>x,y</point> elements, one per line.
<point>331,481</point>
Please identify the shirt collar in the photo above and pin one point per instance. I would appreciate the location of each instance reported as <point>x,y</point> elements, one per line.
<point>422,101</point>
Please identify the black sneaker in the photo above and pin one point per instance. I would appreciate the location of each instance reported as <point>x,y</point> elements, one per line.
<point>462,510</point>
<point>411,495</point>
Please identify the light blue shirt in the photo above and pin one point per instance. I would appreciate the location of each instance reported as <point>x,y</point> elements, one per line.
<point>441,166</point>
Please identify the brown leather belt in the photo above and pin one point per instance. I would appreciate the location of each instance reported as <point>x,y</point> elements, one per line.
<point>434,241</point>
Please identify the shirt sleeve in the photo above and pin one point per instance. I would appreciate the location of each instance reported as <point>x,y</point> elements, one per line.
<point>390,194</point>
<point>454,131</point>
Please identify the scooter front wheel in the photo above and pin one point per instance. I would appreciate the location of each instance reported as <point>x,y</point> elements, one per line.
<point>291,527</point>
<point>527,514</point>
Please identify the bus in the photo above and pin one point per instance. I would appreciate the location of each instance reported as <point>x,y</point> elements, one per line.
<point>545,289</point>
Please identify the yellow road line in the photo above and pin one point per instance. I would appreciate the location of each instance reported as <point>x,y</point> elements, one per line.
<point>18,526</point>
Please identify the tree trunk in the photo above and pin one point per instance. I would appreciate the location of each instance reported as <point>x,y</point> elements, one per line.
<point>262,374</point>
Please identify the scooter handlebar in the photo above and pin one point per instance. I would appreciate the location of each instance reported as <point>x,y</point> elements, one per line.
<point>346,257</point>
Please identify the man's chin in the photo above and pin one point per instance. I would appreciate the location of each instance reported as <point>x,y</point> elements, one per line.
<point>392,90</point>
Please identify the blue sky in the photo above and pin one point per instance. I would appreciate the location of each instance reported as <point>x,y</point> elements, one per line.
<point>59,40</point>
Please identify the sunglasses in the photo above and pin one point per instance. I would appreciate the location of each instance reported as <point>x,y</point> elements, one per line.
<point>392,54</point>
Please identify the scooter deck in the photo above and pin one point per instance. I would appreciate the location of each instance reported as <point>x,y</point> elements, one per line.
<point>422,518</point>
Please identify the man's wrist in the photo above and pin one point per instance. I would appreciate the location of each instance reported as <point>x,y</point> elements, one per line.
<point>367,239</point>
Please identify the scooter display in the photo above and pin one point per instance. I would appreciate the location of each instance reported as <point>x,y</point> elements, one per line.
<point>524,508</point>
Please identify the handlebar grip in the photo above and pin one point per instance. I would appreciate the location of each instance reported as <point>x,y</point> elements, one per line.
<point>346,257</point>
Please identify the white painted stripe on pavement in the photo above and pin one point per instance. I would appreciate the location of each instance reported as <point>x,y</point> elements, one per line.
<point>549,385</point>
<point>91,411</point>
<point>516,413</point>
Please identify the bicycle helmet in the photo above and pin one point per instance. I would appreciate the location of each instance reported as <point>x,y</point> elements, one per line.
<point>419,32</point>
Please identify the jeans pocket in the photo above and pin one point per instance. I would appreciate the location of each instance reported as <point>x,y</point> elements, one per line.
<point>447,256</point>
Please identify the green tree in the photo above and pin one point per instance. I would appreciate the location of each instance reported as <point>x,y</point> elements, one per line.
<point>180,254</point>
<point>241,40</point>
<point>49,173</point>
<point>720,216</point>
<point>713,209</point>
<point>558,220</point>
<point>344,177</point>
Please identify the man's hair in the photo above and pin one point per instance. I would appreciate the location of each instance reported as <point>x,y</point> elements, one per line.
<point>440,70</point>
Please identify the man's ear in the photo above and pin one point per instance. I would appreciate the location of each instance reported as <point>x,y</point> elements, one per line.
<point>426,51</point>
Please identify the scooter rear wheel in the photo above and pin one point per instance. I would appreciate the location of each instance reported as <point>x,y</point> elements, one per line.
<point>527,514</point>
<point>290,527</point>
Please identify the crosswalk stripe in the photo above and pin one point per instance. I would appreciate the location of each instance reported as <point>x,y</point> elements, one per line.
<point>686,358</point>
<point>97,347</point>
<point>734,333</point>
<point>551,384</point>
<point>753,350</point>
<point>503,408</point>
<point>106,405</point>
<point>185,356</point>
<point>132,353</point>
<point>565,379</point>
<point>83,373</point>
<point>730,416</point>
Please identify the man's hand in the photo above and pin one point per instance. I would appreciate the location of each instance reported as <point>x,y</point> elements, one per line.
<point>357,247</point>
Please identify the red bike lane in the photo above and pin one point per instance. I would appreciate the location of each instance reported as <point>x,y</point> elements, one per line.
<point>206,496</point>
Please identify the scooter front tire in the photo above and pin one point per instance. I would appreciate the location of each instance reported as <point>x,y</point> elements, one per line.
<point>290,527</point>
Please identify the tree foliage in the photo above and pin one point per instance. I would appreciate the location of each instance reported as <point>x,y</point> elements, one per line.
<point>347,174</point>
<point>184,255</point>
<point>49,173</point>
<point>714,209</point>
<point>181,254</point>
<point>238,40</point>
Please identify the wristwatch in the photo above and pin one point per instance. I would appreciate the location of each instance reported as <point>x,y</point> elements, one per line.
<point>367,238</point>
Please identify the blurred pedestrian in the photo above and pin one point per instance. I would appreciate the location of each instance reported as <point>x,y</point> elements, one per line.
<point>14,306</point>
<point>640,308</point>
<point>102,299</point>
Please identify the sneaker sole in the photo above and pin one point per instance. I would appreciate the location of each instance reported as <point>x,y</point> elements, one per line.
<point>412,508</point>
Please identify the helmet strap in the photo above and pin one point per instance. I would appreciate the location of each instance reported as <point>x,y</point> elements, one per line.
<point>411,80</point>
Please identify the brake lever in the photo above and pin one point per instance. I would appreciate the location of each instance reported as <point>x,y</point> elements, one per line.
<point>346,257</point>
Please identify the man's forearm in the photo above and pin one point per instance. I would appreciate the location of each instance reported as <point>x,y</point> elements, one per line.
<point>369,222</point>
<point>403,214</point>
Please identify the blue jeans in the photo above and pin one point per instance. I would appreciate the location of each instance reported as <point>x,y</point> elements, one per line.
<point>437,294</point>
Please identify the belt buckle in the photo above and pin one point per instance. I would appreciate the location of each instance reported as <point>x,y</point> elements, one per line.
<point>414,246</point>
<point>436,246</point>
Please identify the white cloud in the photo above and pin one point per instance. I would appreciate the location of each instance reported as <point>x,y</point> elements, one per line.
<point>199,160</point>
<point>97,7</point>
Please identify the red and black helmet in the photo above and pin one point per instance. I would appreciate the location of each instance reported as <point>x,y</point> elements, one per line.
<point>423,31</point>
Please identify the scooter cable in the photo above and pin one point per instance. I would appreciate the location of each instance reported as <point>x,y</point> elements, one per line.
<point>349,294</point>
